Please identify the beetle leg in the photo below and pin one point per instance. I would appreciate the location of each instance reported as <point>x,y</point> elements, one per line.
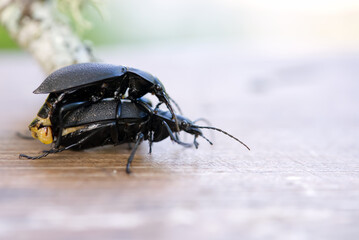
<point>145,106</point>
<point>173,138</point>
<point>176,135</point>
<point>118,94</point>
<point>129,161</point>
<point>157,106</point>
<point>59,99</point>
<point>174,117</point>
<point>46,152</point>
<point>24,136</point>
<point>205,139</point>
<point>97,97</point>
<point>57,150</point>
<point>195,142</point>
<point>150,141</point>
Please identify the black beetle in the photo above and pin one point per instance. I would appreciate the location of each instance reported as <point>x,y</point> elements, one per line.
<point>95,81</point>
<point>81,125</point>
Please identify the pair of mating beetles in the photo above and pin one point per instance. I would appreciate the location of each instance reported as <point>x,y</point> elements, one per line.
<point>95,104</point>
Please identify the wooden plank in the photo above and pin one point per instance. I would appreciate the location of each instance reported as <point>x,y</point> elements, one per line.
<point>300,181</point>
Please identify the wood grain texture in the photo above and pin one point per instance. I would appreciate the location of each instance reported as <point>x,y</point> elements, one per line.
<point>300,181</point>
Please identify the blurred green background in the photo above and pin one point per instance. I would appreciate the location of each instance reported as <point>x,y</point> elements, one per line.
<point>278,26</point>
<point>5,40</point>
<point>146,22</point>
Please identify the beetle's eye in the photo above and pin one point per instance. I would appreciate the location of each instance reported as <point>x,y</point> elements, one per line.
<point>184,124</point>
<point>158,87</point>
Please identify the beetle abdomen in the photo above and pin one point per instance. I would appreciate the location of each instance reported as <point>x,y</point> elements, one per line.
<point>104,110</point>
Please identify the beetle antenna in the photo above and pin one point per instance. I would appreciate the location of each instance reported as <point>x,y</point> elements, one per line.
<point>177,106</point>
<point>224,132</point>
<point>207,139</point>
<point>24,136</point>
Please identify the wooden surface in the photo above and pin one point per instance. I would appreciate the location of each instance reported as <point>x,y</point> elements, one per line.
<point>300,181</point>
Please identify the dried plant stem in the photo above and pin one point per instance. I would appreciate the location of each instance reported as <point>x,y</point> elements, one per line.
<point>37,27</point>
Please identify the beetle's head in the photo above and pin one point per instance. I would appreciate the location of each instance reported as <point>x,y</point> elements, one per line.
<point>191,128</point>
<point>41,129</point>
<point>159,90</point>
<point>184,124</point>
<point>188,126</point>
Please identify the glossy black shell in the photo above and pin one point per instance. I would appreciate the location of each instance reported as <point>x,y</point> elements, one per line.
<point>104,110</point>
<point>114,122</point>
<point>84,74</point>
